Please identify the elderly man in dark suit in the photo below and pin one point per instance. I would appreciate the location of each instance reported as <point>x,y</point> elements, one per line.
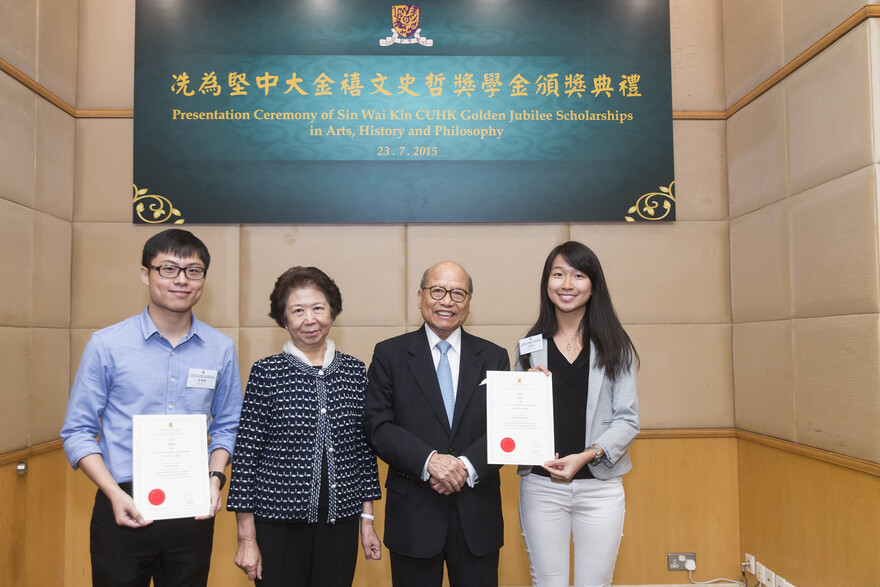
<point>425,416</point>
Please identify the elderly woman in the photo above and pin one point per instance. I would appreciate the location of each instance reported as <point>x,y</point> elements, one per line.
<point>303,476</point>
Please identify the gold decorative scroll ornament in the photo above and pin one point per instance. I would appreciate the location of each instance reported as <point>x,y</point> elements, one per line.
<point>653,205</point>
<point>153,208</point>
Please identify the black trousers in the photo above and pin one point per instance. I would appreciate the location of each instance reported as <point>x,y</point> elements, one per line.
<point>464,568</point>
<point>173,553</point>
<point>301,554</point>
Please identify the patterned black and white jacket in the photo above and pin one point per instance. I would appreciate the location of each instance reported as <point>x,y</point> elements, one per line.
<point>293,415</point>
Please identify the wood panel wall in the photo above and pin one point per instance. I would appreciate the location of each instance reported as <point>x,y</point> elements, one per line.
<point>813,522</point>
<point>813,519</point>
<point>32,520</point>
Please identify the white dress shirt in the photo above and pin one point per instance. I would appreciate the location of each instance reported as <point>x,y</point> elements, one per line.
<point>454,357</point>
<point>453,354</point>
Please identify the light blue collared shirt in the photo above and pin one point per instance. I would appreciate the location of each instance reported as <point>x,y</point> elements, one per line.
<point>130,369</point>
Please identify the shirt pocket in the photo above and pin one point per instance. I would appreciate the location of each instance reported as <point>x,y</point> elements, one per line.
<point>197,400</point>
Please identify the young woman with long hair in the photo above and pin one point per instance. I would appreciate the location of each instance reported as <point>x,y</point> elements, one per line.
<point>595,416</point>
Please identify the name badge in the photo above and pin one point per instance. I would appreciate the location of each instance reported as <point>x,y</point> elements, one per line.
<point>202,378</point>
<point>530,344</point>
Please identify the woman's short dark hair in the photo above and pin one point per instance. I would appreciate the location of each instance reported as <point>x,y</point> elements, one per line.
<point>295,278</point>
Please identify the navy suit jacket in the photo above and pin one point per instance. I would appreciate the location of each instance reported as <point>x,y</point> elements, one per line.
<point>405,420</point>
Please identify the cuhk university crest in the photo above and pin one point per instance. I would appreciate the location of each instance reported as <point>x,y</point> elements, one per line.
<point>405,26</point>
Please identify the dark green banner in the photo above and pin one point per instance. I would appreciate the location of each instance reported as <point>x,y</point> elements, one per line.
<point>288,111</point>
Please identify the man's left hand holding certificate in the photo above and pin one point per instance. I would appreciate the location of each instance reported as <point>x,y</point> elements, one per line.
<point>170,461</point>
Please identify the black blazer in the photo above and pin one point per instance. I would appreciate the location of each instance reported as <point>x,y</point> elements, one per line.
<point>405,420</point>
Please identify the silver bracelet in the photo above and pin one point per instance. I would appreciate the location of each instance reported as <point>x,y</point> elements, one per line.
<point>368,516</point>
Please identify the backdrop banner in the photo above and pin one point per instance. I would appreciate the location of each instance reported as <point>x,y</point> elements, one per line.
<point>354,111</point>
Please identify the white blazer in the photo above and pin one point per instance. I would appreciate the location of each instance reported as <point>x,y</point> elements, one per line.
<point>612,414</point>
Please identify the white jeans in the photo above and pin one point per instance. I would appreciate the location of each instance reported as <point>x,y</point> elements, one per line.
<point>551,512</point>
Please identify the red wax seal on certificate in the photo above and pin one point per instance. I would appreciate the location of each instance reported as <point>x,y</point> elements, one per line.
<point>507,444</point>
<point>156,497</point>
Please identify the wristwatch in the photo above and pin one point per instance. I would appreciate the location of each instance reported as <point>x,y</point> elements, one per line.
<point>219,475</point>
<point>600,454</point>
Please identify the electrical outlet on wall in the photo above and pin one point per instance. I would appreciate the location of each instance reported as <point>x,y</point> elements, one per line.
<point>750,564</point>
<point>759,572</point>
<point>769,578</point>
<point>780,582</point>
<point>677,561</point>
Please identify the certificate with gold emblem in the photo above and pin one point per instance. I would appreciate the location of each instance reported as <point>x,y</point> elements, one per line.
<point>170,466</point>
<point>519,414</point>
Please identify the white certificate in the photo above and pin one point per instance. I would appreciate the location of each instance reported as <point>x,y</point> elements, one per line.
<point>170,466</point>
<point>519,414</point>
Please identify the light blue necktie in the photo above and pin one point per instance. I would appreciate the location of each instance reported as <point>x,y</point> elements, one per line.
<point>444,376</point>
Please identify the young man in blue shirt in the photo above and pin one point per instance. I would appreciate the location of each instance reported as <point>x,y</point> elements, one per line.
<point>147,365</point>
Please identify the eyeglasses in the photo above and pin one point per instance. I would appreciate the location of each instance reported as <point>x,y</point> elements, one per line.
<point>172,271</point>
<point>438,293</point>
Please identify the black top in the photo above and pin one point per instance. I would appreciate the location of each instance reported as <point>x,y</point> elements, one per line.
<point>570,388</point>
